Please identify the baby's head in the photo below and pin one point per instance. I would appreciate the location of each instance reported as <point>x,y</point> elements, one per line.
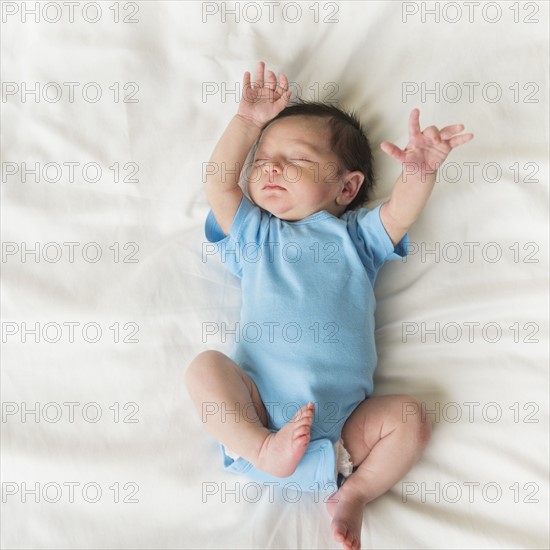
<point>311,157</point>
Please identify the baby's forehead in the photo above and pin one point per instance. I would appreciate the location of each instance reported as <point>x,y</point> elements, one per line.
<point>299,123</point>
<point>312,130</point>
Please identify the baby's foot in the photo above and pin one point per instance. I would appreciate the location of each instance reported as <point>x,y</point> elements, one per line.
<point>282,451</point>
<point>346,511</point>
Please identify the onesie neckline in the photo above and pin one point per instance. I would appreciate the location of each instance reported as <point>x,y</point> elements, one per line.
<point>317,216</point>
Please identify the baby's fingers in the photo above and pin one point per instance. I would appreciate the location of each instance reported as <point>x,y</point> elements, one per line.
<point>459,140</point>
<point>433,133</point>
<point>393,151</point>
<point>282,88</point>
<point>248,92</point>
<point>271,81</point>
<point>449,131</point>
<point>283,81</point>
<point>414,123</point>
<point>259,80</point>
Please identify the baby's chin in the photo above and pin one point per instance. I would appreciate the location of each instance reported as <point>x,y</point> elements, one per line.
<point>282,213</point>
<point>269,206</point>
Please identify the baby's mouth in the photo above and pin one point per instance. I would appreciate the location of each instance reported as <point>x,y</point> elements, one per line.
<point>271,187</point>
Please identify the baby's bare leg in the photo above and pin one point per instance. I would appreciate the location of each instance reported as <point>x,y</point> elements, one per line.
<point>229,404</point>
<point>384,439</point>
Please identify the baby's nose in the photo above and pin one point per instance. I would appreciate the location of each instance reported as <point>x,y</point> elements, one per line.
<point>273,166</point>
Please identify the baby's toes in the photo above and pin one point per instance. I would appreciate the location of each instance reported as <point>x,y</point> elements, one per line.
<point>302,416</point>
<point>354,543</point>
<point>304,424</point>
<point>307,415</point>
<point>302,433</point>
<point>340,533</point>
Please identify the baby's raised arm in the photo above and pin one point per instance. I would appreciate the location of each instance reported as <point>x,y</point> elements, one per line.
<point>421,158</point>
<point>259,103</point>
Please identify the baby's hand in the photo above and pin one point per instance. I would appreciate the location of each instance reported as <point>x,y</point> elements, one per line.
<point>426,150</point>
<point>264,100</point>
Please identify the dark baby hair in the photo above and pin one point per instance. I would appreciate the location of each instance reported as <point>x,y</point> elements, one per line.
<point>348,141</point>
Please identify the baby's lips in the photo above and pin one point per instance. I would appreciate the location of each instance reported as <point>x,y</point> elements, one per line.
<point>273,186</point>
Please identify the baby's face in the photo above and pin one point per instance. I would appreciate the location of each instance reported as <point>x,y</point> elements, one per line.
<point>295,171</point>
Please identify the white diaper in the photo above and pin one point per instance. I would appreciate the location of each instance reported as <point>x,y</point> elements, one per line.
<point>344,465</point>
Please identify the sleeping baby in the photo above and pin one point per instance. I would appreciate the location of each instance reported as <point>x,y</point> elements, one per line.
<point>296,388</point>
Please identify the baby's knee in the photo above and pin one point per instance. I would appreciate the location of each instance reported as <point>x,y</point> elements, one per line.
<point>415,421</point>
<point>202,366</point>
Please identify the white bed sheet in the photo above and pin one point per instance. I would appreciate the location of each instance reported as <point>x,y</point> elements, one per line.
<point>158,472</point>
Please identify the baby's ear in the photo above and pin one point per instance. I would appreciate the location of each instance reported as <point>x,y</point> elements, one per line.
<point>352,184</point>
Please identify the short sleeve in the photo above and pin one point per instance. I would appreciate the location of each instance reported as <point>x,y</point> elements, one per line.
<point>245,231</point>
<point>372,241</point>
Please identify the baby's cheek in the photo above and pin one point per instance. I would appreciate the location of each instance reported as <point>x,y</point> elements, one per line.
<point>320,191</point>
<point>294,174</point>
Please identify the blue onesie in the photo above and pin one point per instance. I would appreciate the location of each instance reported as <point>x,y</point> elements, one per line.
<point>306,330</point>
